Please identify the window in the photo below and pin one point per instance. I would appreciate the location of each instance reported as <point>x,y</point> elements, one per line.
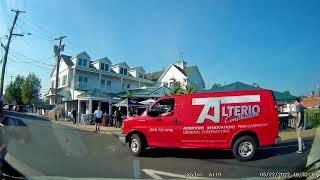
<point>108,83</point>
<point>121,70</point>
<point>64,80</point>
<point>84,62</point>
<point>101,66</point>
<point>140,75</point>
<point>125,71</point>
<point>106,67</point>
<point>128,86</point>
<point>80,62</point>
<point>83,82</point>
<point>103,83</point>
<point>164,106</point>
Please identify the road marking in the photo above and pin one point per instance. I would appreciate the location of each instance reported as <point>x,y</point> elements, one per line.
<point>21,167</point>
<point>154,174</point>
<point>136,168</point>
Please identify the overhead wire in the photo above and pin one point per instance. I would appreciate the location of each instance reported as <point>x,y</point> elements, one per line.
<point>13,51</point>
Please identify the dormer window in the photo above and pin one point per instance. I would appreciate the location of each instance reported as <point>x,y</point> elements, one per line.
<point>82,62</point>
<point>124,71</point>
<point>140,75</point>
<point>104,67</point>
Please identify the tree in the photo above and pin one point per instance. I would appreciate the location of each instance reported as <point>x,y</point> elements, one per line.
<point>31,89</point>
<point>176,88</point>
<point>8,93</point>
<point>216,85</point>
<point>129,94</point>
<point>14,89</point>
<point>190,88</point>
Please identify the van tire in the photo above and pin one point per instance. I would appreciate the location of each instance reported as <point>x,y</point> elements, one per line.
<point>136,145</point>
<point>244,148</point>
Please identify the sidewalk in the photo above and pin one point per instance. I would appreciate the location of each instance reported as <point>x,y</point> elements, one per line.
<point>290,134</point>
<point>92,128</point>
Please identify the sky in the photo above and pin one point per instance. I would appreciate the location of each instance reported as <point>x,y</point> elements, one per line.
<point>270,42</point>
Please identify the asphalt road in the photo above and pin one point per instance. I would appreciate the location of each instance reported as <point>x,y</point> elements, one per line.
<point>38,148</point>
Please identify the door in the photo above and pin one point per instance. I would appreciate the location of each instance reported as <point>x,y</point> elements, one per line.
<point>162,124</point>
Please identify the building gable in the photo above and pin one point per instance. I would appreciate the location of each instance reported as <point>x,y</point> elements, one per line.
<point>172,72</point>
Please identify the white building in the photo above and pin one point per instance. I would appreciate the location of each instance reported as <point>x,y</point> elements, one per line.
<point>178,72</point>
<point>84,84</point>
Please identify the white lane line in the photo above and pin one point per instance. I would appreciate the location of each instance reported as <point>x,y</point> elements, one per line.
<point>154,174</point>
<point>136,168</point>
<point>21,167</point>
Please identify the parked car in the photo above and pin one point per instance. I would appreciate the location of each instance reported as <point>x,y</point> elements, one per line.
<point>237,120</point>
<point>19,108</point>
<point>6,107</point>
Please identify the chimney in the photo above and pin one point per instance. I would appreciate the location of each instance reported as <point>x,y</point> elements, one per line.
<point>181,64</point>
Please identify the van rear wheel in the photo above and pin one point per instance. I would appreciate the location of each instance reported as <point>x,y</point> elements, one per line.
<point>136,146</point>
<point>244,148</point>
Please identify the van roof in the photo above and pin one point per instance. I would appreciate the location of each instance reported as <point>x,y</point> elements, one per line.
<point>209,92</point>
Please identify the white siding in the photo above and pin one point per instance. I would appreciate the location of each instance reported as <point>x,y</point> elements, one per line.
<point>173,73</point>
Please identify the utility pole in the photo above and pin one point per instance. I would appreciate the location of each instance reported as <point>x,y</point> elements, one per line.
<point>57,51</point>
<point>5,57</point>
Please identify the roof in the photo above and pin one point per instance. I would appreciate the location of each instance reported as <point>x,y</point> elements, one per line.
<point>234,86</point>
<point>144,91</point>
<point>84,53</point>
<point>66,59</point>
<point>137,68</point>
<point>279,96</point>
<point>96,93</point>
<point>104,58</point>
<point>181,70</point>
<point>124,63</point>
<point>153,76</point>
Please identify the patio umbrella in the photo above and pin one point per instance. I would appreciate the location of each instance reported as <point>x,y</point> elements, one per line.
<point>147,102</point>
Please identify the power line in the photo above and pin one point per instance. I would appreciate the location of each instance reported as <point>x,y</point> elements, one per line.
<point>30,58</point>
<point>28,62</point>
<point>22,61</point>
<point>37,28</point>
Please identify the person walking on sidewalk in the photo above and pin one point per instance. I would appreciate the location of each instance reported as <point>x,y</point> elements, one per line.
<point>299,120</point>
<point>74,114</point>
<point>98,118</point>
<point>118,117</point>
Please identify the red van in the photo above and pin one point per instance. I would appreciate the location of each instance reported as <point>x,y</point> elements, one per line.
<point>237,120</point>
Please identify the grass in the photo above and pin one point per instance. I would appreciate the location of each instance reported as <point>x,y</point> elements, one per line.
<point>312,116</point>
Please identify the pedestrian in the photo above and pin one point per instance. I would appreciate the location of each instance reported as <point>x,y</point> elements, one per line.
<point>299,120</point>
<point>74,114</point>
<point>98,118</point>
<point>118,117</point>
